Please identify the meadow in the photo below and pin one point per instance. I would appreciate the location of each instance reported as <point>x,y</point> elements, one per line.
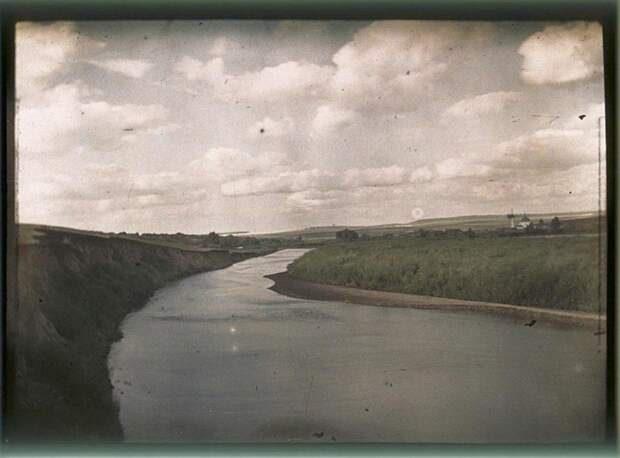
<point>551,272</point>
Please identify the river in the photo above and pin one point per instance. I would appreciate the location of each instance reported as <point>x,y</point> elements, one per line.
<point>220,357</point>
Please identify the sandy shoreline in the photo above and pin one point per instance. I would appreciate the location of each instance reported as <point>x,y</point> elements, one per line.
<point>293,287</point>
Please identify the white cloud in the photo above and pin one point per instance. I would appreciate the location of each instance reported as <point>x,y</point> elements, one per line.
<point>577,186</point>
<point>492,102</point>
<point>459,167</point>
<point>389,64</point>
<point>150,133</point>
<point>324,124</point>
<point>545,149</point>
<point>64,119</point>
<point>573,143</point>
<point>286,80</point>
<point>313,199</point>
<point>194,69</point>
<point>533,169</point>
<point>44,49</point>
<point>323,180</point>
<point>379,176</point>
<point>454,167</point>
<point>270,84</point>
<point>422,174</point>
<point>270,128</point>
<point>281,183</point>
<point>563,53</point>
<point>132,68</point>
<point>117,187</point>
<point>230,163</point>
<point>329,118</point>
<point>72,117</point>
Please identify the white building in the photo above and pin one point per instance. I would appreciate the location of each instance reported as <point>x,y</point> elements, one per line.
<point>524,223</point>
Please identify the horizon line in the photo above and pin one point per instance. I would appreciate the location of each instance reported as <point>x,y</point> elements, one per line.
<point>277,231</point>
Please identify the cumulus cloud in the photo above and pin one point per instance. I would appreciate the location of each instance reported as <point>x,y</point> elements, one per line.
<point>386,66</point>
<point>284,81</point>
<point>492,102</point>
<point>313,199</point>
<point>563,53</point>
<point>282,183</point>
<point>150,133</point>
<point>329,118</point>
<point>460,167</point>
<point>455,167</point>
<point>577,185</point>
<point>389,64</point>
<point>378,176</point>
<point>194,69</point>
<point>222,163</point>
<point>132,68</point>
<point>324,180</point>
<point>65,118</point>
<point>514,167</point>
<point>545,149</point>
<point>573,143</point>
<point>288,80</point>
<point>422,174</point>
<point>42,50</point>
<point>532,169</point>
<point>297,137</point>
<point>117,187</point>
<point>71,116</point>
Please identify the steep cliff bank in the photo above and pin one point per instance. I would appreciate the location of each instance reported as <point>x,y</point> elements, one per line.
<point>73,291</point>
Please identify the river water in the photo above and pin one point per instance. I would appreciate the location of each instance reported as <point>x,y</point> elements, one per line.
<point>219,357</point>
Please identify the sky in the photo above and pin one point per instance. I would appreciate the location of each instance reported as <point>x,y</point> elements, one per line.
<point>261,126</point>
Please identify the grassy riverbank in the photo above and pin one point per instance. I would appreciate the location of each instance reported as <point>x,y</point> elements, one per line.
<point>74,289</point>
<point>555,272</point>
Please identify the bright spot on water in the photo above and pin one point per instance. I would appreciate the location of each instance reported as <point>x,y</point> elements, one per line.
<point>235,348</point>
<point>233,329</point>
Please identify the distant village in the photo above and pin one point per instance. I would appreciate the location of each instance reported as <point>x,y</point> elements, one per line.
<point>516,225</point>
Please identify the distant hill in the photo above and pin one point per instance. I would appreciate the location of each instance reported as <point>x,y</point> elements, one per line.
<point>34,233</point>
<point>476,222</point>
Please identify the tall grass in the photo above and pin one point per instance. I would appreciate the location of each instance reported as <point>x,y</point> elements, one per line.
<point>559,273</point>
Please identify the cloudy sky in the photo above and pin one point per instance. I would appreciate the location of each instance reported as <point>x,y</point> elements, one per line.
<point>263,126</point>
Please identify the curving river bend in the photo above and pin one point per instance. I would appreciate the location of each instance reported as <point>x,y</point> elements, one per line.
<point>220,357</point>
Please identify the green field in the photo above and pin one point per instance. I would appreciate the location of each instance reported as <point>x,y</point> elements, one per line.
<point>553,272</point>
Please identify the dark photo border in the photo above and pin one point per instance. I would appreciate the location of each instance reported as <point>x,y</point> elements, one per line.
<point>603,11</point>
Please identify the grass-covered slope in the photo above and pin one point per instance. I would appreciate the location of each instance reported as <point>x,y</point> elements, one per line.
<point>73,291</point>
<point>558,272</point>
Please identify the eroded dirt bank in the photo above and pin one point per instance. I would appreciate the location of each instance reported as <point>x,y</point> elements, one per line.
<point>73,291</point>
